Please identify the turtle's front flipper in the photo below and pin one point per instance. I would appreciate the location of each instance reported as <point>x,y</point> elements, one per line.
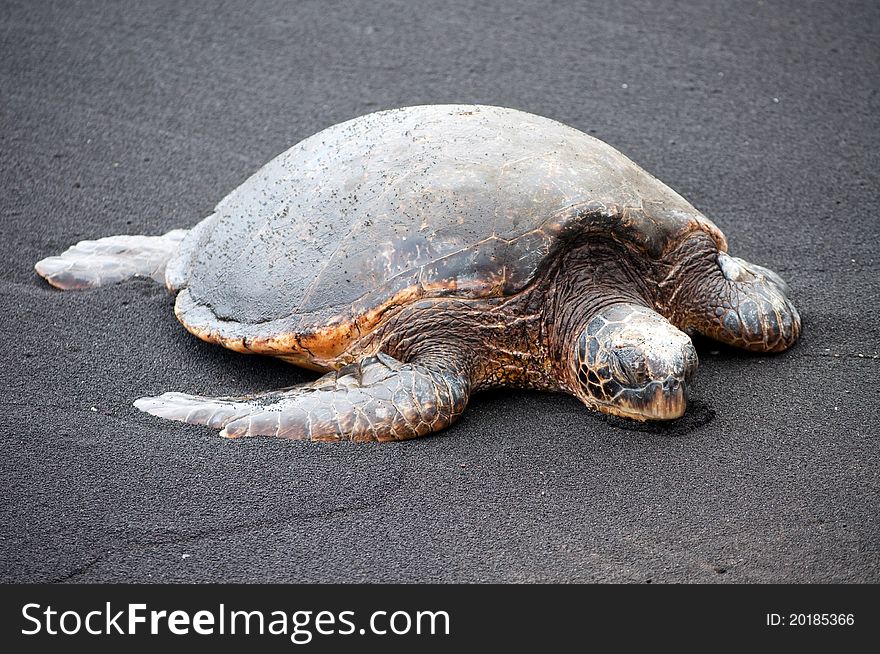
<point>375,399</point>
<point>90,264</point>
<point>732,300</point>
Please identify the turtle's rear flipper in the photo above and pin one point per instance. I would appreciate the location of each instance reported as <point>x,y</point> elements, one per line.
<point>90,264</point>
<point>377,398</point>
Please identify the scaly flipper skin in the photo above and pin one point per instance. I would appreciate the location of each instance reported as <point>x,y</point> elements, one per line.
<point>110,260</point>
<point>732,300</point>
<point>375,399</point>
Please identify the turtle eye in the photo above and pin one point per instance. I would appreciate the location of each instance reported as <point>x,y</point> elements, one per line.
<point>628,366</point>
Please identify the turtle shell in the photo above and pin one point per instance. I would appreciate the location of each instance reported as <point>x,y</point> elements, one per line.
<point>392,207</point>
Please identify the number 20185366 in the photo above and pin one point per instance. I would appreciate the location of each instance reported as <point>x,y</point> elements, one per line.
<point>810,619</point>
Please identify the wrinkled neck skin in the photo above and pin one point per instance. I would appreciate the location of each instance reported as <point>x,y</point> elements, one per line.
<point>586,280</point>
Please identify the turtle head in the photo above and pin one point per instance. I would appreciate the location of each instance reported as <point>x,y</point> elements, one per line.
<point>630,361</point>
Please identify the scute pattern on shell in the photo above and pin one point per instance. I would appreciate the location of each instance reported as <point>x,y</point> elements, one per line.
<point>388,208</point>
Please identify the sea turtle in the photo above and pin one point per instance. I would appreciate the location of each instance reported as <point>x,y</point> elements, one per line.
<point>419,255</point>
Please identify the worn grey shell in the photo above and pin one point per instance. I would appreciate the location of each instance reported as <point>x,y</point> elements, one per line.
<point>388,208</point>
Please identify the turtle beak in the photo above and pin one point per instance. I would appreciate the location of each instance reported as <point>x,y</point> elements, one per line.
<point>661,391</point>
<point>659,400</point>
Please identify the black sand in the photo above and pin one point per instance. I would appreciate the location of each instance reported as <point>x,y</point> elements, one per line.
<point>139,119</point>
